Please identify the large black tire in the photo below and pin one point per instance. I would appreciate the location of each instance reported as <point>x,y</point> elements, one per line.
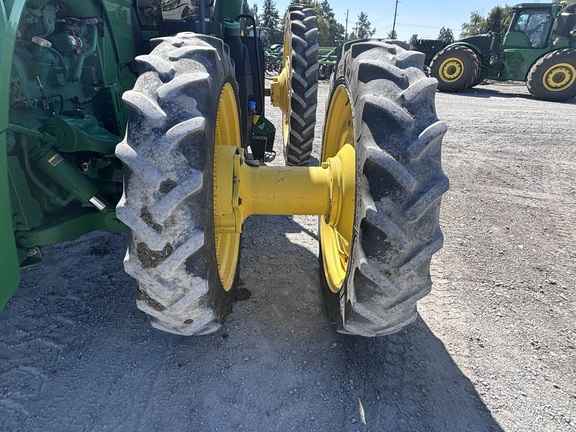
<point>553,77</point>
<point>301,46</point>
<point>430,47</point>
<point>456,68</point>
<point>399,185</point>
<point>167,203</point>
<point>479,80</point>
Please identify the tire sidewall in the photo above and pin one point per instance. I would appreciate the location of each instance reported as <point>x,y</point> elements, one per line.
<point>468,74</point>
<point>539,71</point>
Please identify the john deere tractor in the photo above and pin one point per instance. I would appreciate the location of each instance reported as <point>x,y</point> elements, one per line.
<point>539,48</point>
<point>149,116</point>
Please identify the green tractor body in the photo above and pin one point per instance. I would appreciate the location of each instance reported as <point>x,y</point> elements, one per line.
<point>60,119</point>
<point>65,66</point>
<point>538,48</point>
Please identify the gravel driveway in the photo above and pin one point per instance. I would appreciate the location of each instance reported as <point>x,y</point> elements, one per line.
<point>494,348</point>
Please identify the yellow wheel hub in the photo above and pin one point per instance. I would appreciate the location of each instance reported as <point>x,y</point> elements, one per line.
<point>336,231</point>
<point>227,137</point>
<point>281,87</point>
<point>242,189</point>
<point>451,69</point>
<point>559,77</point>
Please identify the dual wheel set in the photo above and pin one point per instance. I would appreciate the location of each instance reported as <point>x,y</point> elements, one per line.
<point>189,184</point>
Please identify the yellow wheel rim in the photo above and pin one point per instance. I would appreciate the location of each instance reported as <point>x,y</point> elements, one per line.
<point>336,231</point>
<point>281,86</point>
<point>451,69</point>
<point>227,134</point>
<point>286,77</point>
<point>559,77</point>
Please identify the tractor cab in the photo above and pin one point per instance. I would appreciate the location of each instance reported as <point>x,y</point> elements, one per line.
<point>530,27</point>
<point>532,33</point>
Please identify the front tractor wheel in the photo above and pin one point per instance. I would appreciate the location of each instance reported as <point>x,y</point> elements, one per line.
<point>182,109</point>
<point>295,90</point>
<point>375,256</point>
<point>456,68</point>
<point>553,77</point>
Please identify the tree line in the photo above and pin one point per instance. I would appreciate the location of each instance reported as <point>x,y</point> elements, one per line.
<point>330,30</point>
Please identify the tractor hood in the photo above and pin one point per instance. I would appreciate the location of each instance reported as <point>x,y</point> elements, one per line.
<point>480,43</point>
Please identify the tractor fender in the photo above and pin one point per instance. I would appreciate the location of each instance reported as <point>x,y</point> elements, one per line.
<point>537,59</point>
<point>479,44</point>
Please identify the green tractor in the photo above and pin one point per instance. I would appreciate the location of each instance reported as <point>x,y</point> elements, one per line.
<point>538,48</point>
<point>149,116</point>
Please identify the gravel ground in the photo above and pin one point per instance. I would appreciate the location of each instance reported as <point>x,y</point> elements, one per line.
<point>494,348</point>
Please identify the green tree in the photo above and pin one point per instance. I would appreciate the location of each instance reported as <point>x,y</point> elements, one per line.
<point>323,31</point>
<point>250,10</point>
<point>335,29</point>
<point>498,20</point>
<point>474,26</point>
<point>413,39</point>
<point>446,35</point>
<point>392,34</point>
<point>247,9</point>
<point>363,28</point>
<point>269,18</point>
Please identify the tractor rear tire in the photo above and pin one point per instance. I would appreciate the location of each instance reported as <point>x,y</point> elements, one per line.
<point>478,81</point>
<point>392,124</point>
<point>168,154</point>
<point>553,77</point>
<point>456,68</point>
<point>301,46</point>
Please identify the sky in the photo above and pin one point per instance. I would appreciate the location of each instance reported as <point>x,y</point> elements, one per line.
<point>423,17</point>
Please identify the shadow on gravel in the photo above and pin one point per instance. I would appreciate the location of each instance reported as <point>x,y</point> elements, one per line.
<point>408,381</point>
<point>403,382</point>
<point>74,350</point>
<point>506,93</point>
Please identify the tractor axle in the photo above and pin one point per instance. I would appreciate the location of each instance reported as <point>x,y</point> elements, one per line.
<point>242,189</point>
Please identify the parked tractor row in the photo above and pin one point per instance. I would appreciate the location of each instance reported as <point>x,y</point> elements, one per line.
<point>539,48</point>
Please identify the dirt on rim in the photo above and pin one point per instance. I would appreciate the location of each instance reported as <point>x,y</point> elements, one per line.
<point>494,348</point>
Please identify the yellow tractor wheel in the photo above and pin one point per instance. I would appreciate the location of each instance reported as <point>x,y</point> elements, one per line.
<point>553,77</point>
<point>456,68</point>
<point>375,259</point>
<point>185,265</point>
<point>295,90</point>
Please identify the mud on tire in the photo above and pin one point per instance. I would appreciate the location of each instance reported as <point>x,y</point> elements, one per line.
<point>399,185</point>
<point>168,191</point>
